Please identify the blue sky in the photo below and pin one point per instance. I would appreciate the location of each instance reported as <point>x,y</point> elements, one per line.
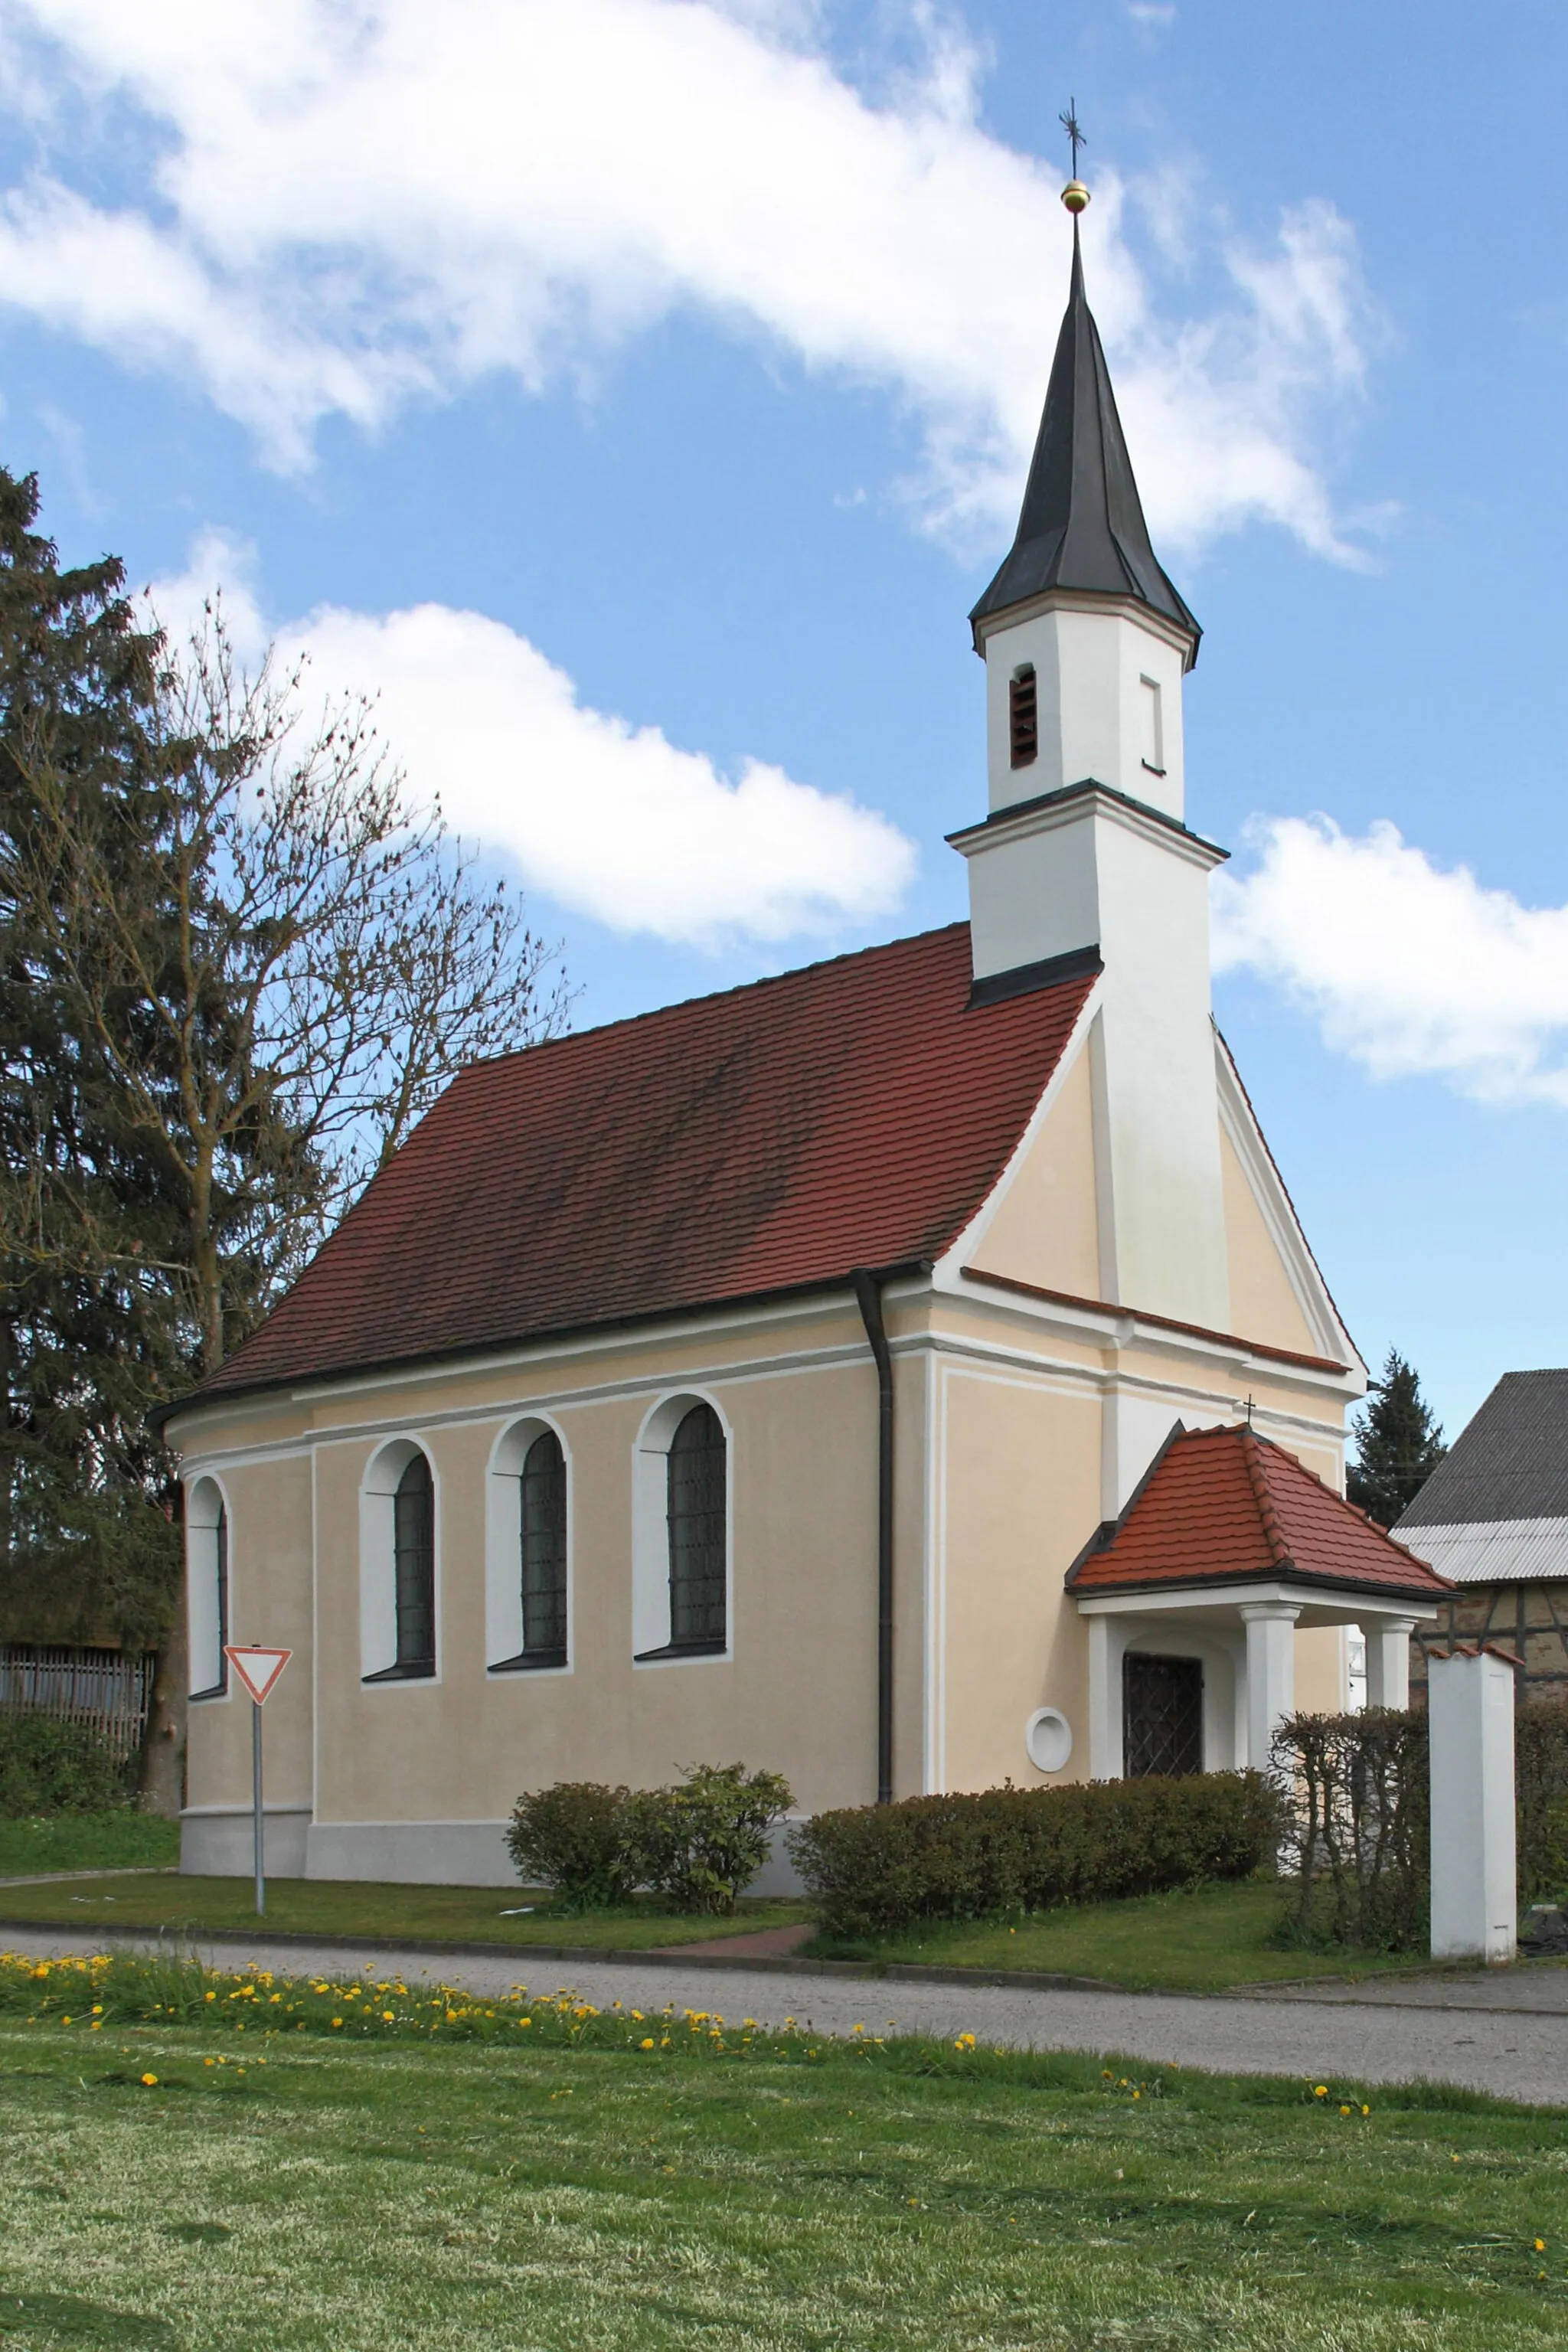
<point>636,394</point>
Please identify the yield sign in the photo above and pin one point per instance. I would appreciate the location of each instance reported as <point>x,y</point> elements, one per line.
<point>257,1669</point>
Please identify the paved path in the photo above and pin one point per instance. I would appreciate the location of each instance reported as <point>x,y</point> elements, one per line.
<point>1332,2034</point>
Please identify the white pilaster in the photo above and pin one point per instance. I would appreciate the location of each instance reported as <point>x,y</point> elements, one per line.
<point>1270,1674</point>
<point>1469,1702</point>
<point>1388,1663</point>
<point>1105,1757</point>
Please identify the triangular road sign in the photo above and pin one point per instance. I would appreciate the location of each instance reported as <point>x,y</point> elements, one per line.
<point>257,1669</point>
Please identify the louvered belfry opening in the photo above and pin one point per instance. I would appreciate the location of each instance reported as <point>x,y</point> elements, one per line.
<point>414,1558</point>
<point>1163,1714</point>
<point>697,1515</point>
<point>543,1561</point>
<point>1024,718</point>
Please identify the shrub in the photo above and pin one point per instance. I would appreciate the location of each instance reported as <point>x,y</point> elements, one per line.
<point>1541,1781</point>
<point>50,1766</point>
<point>576,1839</point>
<point>1359,1841</point>
<point>699,1845</point>
<point>1357,1845</point>
<point>881,1867</point>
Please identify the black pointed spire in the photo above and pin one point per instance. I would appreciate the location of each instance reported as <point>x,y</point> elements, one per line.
<point>1082,522</point>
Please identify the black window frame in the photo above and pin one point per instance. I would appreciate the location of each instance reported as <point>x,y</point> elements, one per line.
<point>219,1532</point>
<point>697,1536</point>
<point>542,1513</point>
<point>412,1573</point>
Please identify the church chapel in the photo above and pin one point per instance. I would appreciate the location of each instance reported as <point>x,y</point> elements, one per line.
<point>906,1374</point>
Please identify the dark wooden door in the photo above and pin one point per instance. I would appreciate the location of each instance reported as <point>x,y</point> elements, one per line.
<point>1163,1713</point>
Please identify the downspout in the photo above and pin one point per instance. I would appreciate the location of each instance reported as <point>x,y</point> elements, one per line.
<point>869,1296</point>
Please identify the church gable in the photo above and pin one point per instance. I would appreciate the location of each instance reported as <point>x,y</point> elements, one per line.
<point>1043,1223</point>
<point>1278,1295</point>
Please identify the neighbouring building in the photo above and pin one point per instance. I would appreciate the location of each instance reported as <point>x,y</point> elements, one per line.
<point>1493,1517</point>
<point>906,1373</point>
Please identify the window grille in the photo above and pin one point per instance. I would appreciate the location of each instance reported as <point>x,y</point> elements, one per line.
<point>414,1560</point>
<point>697,1515</point>
<point>1023,712</point>
<point>1163,1714</point>
<point>543,1524</point>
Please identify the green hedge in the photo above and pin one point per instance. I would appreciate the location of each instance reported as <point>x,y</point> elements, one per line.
<point>881,1867</point>
<point>697,1845</point>
<point>49,1766</point>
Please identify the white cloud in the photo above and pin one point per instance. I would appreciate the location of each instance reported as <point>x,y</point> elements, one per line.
<point>613,820</point>
<point>1411,969</point>
<point>348,204</point>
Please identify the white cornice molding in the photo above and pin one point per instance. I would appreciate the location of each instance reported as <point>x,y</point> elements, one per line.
<point>1074,804</point>
<point>1082,600</point>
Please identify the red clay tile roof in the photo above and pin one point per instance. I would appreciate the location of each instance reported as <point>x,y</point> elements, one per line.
<point>855,1113</point>
<point>1227,1506</point>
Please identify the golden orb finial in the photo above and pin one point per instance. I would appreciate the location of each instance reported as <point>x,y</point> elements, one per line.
<point>1075,195</point>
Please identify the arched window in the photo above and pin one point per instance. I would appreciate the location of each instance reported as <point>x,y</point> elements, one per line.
<point>413,1567</point>
<point>207,1554</point>
<point>1023,717</point>
<point>695,1516</point>
<point>543,1548</point>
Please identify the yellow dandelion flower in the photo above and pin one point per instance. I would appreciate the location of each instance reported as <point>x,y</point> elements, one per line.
<point>646,2045</point>
<point>151,2081</point>
<point>337,2021</point>
<point>1321,2092</point>
<point>1540,2245</point>
<point>386,2017</point>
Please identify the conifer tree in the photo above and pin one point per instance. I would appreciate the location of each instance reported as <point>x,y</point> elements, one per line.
<point>1398,1444</point>
<point>87,1547</point>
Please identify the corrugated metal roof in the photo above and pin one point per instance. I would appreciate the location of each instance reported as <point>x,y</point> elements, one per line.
<point>1498,1551</point>
<point>855,1113</point>
<point>1509,1463</point>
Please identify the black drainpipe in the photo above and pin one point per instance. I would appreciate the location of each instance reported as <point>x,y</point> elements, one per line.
<point>869,1294</point>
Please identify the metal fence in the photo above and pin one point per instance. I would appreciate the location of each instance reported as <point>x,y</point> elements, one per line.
<point>105,1689</point>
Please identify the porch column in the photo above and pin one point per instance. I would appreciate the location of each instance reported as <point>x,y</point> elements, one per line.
<point>1105,1757</point>
<point>1270,1674</point>
<point>1388,1661</point>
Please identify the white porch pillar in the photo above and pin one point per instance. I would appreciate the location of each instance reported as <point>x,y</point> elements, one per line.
<point>1469,1708</point>
<point>1270,1674</point>
<point>1105,1757</point>
<point>1388,1661</point>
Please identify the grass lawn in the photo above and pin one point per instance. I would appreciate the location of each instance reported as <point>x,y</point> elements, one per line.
<point>117,1840</point>
<point>176,2187</point>
<point>1198,1940</point>
<point>348,1908</point>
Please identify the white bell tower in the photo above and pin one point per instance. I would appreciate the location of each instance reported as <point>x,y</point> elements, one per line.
<point>1085,851</point>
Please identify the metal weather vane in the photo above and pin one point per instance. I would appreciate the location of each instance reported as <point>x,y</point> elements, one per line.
<point>1075,195</point>
<point>1069,124</point>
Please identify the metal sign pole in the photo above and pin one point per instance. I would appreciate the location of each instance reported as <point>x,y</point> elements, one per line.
<point>259,1670</point>
<point>256,1805</point>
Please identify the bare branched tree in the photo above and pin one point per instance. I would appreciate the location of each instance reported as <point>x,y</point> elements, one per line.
<point>297,964</point>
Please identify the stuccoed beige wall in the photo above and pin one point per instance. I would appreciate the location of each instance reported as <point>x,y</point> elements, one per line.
<point>1263,1301</point>
<point>268,1505</point>
<point>1019,1498</point>
<point>798,1695</point>
<point>1045,1225</point>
